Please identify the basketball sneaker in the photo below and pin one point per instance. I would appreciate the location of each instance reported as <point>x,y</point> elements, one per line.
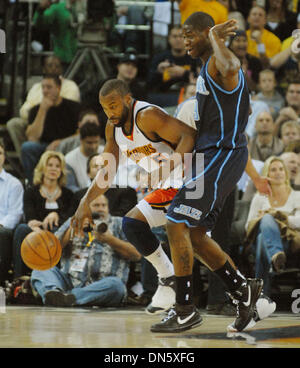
<point>164,297</point>
<point>245,299</point>
<point>179,318</point>
<point>265,306</point>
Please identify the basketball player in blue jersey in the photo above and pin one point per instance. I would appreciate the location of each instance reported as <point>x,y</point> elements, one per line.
<point>221,117</point>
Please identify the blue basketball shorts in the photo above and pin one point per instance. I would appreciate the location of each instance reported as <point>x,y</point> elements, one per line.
<point>214,174</point>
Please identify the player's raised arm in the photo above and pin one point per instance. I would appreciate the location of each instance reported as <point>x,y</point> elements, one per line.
<point>224,65</point>
<point>160,126</point>
<point>102,181</point>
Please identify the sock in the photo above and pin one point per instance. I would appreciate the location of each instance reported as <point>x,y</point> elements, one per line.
<point>184,290</point>
<point>232,278</point>
<point>161,262</point>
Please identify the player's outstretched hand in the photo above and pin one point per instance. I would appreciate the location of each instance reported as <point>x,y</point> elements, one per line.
<point>224,30</point>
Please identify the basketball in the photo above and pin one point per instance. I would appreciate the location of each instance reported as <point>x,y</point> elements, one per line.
<point>41,250</point>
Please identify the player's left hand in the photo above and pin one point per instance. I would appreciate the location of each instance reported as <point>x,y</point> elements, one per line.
<point>82,215</point>
<point>224,30</point>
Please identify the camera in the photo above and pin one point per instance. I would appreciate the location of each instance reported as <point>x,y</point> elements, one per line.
<point>101,227</point>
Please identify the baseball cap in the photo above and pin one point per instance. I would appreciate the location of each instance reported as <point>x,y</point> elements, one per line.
<point>129,56</point>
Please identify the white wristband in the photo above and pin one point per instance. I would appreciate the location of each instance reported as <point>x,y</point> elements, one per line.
<point>261,48</point>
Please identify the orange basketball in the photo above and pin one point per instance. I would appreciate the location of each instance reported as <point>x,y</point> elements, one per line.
<point>41,250</point>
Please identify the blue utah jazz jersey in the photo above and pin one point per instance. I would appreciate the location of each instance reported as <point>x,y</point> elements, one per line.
<point>221,116</point>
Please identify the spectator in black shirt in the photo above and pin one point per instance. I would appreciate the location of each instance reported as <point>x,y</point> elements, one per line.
<point>171,66</point>
<point>251,65</point>
<point>49,122</point>
<point>280,20</point>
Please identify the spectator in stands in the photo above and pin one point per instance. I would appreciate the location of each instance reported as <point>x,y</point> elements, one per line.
<point>70,143</point>
<point>289,38</point>
<point>120,200</point>
<point>261,42</point>
<point>11,211</point>
<point>171,67</point>
<point>45,203</point>
<point>127,70</point>
<point>61,20</point>
<point>292,163</point>
<point>50,121</point>
<point>256,108</point>
<point>287,62</point>
<point>267,214</point>
<point>290,132</point>
<point>17,126</point>
<point>76,159</point>
<point>251,64</point>
<point>280,20</point>
<point>268,92</point>
<point>234,13</point>
<point>215,9</point>
<point>93,275</point>
<point>292,110</point>
<point>265,144</point>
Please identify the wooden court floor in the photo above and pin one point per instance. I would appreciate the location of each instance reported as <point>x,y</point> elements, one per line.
<point>45,327</point>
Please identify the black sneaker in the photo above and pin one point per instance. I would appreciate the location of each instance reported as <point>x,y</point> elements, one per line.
<point>245,299</point>
<point>58,298</point>
<point>180,318</point>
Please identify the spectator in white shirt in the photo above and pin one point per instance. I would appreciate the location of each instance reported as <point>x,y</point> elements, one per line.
<point>11,211</point>
<point>90,139</point>
<point>271,247</point>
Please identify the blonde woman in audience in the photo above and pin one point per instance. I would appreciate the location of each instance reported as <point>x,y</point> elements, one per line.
<point>46,203</point>
<point>273,221</point>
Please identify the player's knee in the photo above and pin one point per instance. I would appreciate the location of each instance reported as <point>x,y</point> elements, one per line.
<point>140,235</point>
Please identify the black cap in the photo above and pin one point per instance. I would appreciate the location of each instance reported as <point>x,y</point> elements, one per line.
<point>129,56</point>
<point>238,33</point>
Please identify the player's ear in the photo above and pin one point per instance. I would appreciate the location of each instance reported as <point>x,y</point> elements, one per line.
<point>128,98</point>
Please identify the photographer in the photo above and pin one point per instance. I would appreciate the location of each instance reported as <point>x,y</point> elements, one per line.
<point>94,269</point>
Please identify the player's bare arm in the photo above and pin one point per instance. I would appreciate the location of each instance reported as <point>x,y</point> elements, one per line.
<point>223,66</point>
<point>102,181</point>
<point>158,125</point>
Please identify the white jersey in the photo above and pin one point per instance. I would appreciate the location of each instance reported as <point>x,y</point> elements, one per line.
<point>144,152</point>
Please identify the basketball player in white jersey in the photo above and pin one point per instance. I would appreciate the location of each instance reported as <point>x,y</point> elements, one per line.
<point>146,135</point>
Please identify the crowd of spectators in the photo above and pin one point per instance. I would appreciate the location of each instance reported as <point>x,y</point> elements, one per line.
<point>59,135</point>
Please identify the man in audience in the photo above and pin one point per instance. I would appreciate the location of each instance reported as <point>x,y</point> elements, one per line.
<point>261,42</point>
<point>76,159</point>
<point>290,132</point>
<point>251,65</point>
<point>172,66</point>
<point>265,144</point>
<point>70,143</point>
<point>16,126</point>
<point>292,110</point>
<point>96,274</point>
<point>11,211</point>
<point>292,162</point>
<point>49,122</point>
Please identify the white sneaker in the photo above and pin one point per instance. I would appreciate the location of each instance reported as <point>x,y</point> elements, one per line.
<point>264,308</point>
<point>164,297</point>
